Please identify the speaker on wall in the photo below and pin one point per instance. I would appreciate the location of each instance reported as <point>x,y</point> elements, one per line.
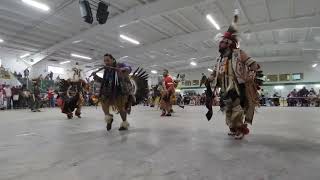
<point>85,11</point>
<point>102,12</point>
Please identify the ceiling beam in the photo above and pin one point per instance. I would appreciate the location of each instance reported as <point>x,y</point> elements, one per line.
<point>204,35</point>
<point>292,8</point>
<point>267,9</point>
<point>174,22</point>
<point>187,20</point>
<point>156,28</point>
<point>274,37</point>
<point>242,9</point>
<point>139,12</point>
<point>217,3</point>
<point>212,52</point>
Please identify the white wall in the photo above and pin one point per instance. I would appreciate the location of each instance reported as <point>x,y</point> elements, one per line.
<point>13,64</point>
<point>310,74</point>
<point>42,68</point>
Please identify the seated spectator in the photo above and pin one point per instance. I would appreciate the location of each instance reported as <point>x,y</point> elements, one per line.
<point>292,100</point>
<point>301,94</point>
<point>276,99</point>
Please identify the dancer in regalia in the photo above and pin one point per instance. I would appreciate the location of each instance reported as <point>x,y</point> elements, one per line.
<point>237,75</point>
<point>119,90</point>
<point>36,95</point>
<point>73,91</point>
<point>167,94</point>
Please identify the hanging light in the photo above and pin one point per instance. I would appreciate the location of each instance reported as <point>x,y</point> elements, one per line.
<point>213,22</point>
<point>129,39</point>
<point>37,4</point>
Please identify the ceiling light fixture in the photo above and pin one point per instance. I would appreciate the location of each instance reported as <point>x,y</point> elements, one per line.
<point>75,42</point>
<point>80,56</point>
<point>215,24</point>
<point>1,40</point>
<point>65,62</point>
<point>25,55</point>
<point>129,39</point>
<point>314,65</point>
<point>210,70</point>
<point>36,4</point>
<point>193,63</point>
<point>154,71</point>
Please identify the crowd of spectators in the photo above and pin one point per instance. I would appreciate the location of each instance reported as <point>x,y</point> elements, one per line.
<point>15,97</point>
<point>303,97</point>
<point>192,99</point>
<point>19,97</point>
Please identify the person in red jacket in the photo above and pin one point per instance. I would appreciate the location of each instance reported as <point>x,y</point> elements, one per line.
<point>50,94</point>
<point>168,91</point>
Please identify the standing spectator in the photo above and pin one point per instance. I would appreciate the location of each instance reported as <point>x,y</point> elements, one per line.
<point>318,99</point>
<point>51,75</point>
<point>312,92</point>
<point>15,97</point>
<point>262,98</point>
<point>19,75</point>
<point>1,98</point>
<point>36,98</point>
<point>8,95</point>
<point>51,97</point>
<point>26,73</point>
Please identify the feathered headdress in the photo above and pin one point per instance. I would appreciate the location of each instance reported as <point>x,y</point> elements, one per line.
<point>229,38</point>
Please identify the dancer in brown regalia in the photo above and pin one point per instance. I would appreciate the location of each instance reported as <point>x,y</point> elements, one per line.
<point>236,74</point>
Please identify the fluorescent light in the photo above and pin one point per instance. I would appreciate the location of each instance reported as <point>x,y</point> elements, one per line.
<point>80,56</point>
<point>215,24</point>
<point>279,87</point>
<point>193,63</point>
<point>154,72</point>
<point>75,42</point>
<point>314,65</point>
<point>124,57</point>
<point>129,39</point>
<point>1,40</point>
<point>178,90</point>
<point>65,62</point>
<point>36,4</point>
<point>299,86</point>
<point>100,74</point>
<point>25,55</point>
<point>210,70</point>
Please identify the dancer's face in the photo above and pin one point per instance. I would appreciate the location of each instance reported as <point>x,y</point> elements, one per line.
<point>108,61</point>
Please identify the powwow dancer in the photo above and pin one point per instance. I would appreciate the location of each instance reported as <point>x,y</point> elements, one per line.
<point>167,94</point>
<point>73,91</point>
<point>237,75</point>
<point>119,90</point>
